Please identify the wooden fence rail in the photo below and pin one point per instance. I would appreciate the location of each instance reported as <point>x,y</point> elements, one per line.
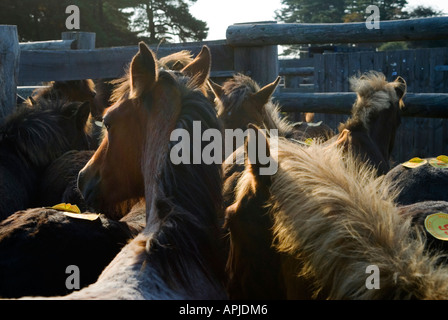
<point>426,105</point>
<point>320,33</point>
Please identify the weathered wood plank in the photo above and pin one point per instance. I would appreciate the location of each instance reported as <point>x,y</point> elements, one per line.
<point>48,45</point>
<point>320,33</point>
<point>9,68</point>
<point>430,105</point>
<point>42,65</point>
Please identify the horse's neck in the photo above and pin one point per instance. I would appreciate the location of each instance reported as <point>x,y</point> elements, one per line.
<point>382,137</point>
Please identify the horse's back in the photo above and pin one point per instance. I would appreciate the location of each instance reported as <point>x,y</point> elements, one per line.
<point>37,245</point>
<point>424,183</point>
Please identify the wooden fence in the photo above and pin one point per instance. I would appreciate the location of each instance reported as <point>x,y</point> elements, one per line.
<point>252,48</point>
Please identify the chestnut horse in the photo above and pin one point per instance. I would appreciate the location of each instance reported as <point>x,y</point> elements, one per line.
<point>332,220</point>
<point>177,256</point>
<point>370,131</point>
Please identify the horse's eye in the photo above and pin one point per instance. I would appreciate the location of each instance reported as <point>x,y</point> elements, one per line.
<point>99,123</point>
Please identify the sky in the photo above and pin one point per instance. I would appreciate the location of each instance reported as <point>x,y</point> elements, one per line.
<point>219,14</point>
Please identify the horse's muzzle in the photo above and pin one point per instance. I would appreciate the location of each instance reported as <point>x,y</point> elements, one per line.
<point>89,187</point>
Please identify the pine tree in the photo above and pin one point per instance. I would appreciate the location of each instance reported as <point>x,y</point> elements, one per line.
<point>45,20</point>
<point>168,20</point>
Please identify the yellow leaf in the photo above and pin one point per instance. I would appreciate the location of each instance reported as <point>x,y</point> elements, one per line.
<point>414,163</point>
<point>443,158</point>
<point>67,207</point>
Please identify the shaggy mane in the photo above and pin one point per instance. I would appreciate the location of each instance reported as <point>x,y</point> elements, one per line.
<point>334,216</point>
<point>34,132</point>
<point>374,94</point>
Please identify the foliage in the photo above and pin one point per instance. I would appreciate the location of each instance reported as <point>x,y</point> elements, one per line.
<point>169,20</point>
<point>115,22</point>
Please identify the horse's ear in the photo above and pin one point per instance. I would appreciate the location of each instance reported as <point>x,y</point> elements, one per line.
<point>262,97</point>
<point>82,115</point>
<point>143,71</point>
<point>32,101</point>
<point>400,87</point>
<point>216,88</point>
<point>343,137</point>
<point>199,69</point>
<point>252,144</point>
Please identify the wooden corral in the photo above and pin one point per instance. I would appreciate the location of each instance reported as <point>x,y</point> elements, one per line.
<point>317,84</point>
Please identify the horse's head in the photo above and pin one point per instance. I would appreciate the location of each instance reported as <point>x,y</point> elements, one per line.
<point>378,106</point>
<point>147,106</point>
<point>240,101</point>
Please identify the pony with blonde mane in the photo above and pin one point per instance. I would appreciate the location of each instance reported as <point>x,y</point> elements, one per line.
<point>370,131</point>
<point>332,219</point>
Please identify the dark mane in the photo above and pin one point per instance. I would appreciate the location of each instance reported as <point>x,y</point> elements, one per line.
<point>37,134</point>
<point>191,203</point>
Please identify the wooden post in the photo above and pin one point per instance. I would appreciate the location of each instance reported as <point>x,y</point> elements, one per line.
<point>9,68</point>
<point>83,40</point>
<point>260,62</point>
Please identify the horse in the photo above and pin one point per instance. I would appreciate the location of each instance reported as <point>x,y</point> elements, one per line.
<point>334,220</point>
<point>419,211</point>
<point>37,245</point>
<point>241,101</point>
<point>58,183</point>
<point>370,131</point>
<point>177,255</point>
<point>30,140</point>
<point>77,91</point>
<point>424,183</point>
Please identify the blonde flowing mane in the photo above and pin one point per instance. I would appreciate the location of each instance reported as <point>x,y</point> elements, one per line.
<point>374,94</point>
<point>335,218</point>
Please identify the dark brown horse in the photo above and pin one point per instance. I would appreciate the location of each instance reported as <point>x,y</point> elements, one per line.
<point>30,140</point>
<point>58,183</point>
<point>78,91</point>
<point>424,183</point>
<point>376,115</point>
<point>178,254</point>
<point>38,245</point>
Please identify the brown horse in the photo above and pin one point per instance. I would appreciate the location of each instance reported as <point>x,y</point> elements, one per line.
<point>178,254</point>
<point>240,101</point>
<point>370,131</point>
<point>332,220</point>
